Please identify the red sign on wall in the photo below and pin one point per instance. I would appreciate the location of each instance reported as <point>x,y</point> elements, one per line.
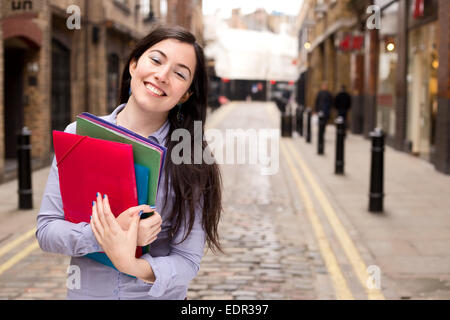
<point>418,9</point>
<point>351,43</point>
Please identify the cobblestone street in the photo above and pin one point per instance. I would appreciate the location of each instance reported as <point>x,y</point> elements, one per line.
<point>267,256</point>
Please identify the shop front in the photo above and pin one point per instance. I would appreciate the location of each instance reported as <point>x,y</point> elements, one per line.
<point>387,71</point>
<point>422,78</point>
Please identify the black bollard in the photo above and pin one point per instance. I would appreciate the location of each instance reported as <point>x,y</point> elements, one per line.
<point>299,120</point>
<point>286,125</point>
<point>283,125</point>
<point>24,169</point>
<point>320,143</point>
<point>308,125</point>
<point>340,138</point>
<point>377,171</point>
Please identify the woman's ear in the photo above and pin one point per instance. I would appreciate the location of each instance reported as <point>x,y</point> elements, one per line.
<point>132,67</point>
<point>185,97</point>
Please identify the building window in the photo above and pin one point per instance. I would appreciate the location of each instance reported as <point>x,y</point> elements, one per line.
<point>163,8</point>
<point>147,11</point>
<point>145,8</point>
<point>61,110</point>
<point>387,70</point>
<point>113,81</point>
<point>123,5</point>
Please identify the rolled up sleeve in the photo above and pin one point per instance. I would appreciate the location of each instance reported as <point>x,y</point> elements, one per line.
<point>182,264</point>
<point>54,234</point>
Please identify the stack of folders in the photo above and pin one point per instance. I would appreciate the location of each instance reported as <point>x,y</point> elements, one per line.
<point>106,158</point>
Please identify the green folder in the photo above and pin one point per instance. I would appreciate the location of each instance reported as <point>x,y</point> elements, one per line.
<point>144,154</point>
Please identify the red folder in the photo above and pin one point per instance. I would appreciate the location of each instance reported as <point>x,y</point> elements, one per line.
<point>86,166</point>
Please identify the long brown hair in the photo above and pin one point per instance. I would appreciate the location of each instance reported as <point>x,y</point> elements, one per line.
<point>191,182</point>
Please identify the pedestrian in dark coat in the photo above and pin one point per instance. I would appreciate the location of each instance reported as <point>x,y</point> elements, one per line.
<point>324,101</point>
<point>343,103</point>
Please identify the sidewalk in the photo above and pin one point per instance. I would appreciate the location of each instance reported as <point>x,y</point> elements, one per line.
<point>410,241</point>
<point>12,220</point>
<point>30,273</point>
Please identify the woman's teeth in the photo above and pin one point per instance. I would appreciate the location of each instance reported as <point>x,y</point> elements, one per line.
<point>153,89</point>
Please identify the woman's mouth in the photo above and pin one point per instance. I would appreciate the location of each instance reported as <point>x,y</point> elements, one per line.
<point>156,91</point>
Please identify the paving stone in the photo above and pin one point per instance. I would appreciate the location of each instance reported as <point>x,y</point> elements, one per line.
<point>226,287</point>
<point>244,293</point>
<point>272,295</point>
<point>218,297</point>
<point>245,298</point>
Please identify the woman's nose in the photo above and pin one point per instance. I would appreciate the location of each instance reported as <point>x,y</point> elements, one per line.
<point>162,75</point>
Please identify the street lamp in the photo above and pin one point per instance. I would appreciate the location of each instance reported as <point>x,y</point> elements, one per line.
<point>390,46</point>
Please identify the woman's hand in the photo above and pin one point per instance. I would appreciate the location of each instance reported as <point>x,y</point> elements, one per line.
<point>118,244</point>
<point>148,228</point>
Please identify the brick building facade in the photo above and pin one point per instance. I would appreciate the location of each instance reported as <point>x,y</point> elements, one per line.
<point>397,71</point>
<point>51,69</point>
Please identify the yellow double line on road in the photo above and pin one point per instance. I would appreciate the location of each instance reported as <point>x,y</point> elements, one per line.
<point>22,254</point>
<point>338,279</point>
<point>340,284</point>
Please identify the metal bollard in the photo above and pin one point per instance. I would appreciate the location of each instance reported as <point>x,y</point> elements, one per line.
<point>286,125</point>
<point>377,171</point>
<point>340,138</point>
<point>308,125</point>
<point>320,143</point>
<point>299,120</point>
<point>24,170</point>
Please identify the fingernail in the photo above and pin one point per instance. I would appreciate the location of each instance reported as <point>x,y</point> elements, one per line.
<point>152,207</point>
<point>90,217</point>
<point>93,203</point>
<point>104,196</point>
<point>97,194</point>
<point>141,212</point>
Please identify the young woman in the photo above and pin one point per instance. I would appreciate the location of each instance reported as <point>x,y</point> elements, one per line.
<point>164,88</point>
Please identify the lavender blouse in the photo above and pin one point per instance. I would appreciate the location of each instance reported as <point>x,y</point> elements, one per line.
<point>174,265</point>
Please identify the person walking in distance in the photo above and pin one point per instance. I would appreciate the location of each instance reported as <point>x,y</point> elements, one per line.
<point>324,101</point>
<point>343,103</point>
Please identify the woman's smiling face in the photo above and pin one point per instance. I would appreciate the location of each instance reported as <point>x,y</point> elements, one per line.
<point>163,74</point>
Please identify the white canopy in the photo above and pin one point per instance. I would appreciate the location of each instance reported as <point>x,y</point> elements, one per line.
<point>251,55</point>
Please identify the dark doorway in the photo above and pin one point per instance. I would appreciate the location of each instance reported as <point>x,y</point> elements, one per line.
<point>113,81</point>
<point>13,89</point>
<point>61,113</point>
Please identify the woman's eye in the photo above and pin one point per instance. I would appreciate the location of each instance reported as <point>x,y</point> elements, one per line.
<point>181,75</point>
<point>156,60</point>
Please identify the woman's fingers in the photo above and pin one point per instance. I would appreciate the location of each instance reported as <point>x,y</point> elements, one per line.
<point>155,230</point>
<point>96,226</point>
<point>143,207</point>
<point>108,215</point>
<point>152,239</point>
<point>100,213</point>
<point>154,220</point>
<point>106,206</point>
<point>132,232</point>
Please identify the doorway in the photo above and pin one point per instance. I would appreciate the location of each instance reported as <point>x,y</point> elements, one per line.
<point>13,89</point>
<point>422,89</point>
